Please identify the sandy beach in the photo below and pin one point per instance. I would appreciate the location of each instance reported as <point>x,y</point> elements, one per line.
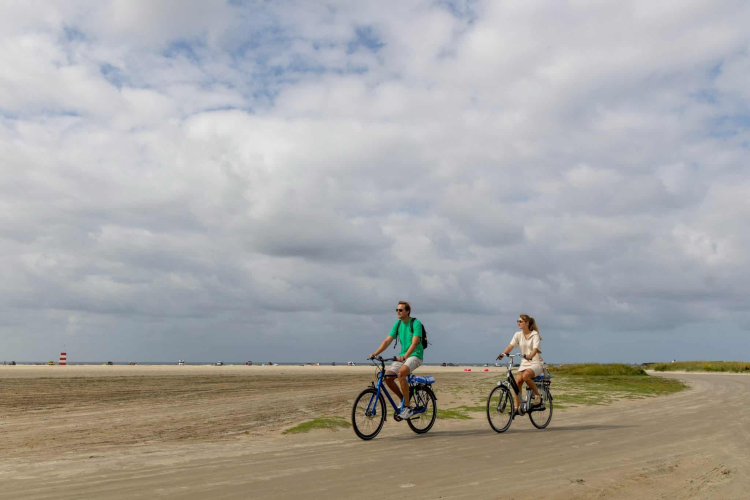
<point>84,407</point>
<point>203,431</point>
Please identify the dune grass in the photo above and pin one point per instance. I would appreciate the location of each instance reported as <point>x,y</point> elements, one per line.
<point>703,366</point>
<point>599,370</point>
<point>602,384</point>
<point>572,385</point>
<point>319,423</point>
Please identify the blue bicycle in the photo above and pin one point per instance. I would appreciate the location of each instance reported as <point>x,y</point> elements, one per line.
<point>369,413</point>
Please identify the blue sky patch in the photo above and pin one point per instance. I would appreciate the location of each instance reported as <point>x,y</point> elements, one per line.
<point>365,37</point>
<point>181,48</point>
<point>113,75</point>
<point>72,34</point>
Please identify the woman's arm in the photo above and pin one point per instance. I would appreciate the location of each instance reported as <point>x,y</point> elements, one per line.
<point>534,352</point>
<point>505,352</point>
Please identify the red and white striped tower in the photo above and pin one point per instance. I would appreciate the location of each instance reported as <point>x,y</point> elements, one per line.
<point>63,358</point>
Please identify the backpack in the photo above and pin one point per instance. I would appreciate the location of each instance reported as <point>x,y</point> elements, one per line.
<point>424,334</point>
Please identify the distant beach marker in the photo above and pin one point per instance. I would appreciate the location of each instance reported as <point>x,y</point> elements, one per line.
<point>63,358</point>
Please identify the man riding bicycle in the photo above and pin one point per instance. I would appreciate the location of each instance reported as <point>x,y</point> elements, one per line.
<point>408,330</point>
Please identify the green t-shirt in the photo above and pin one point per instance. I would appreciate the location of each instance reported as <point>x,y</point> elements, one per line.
<point>403,330</point>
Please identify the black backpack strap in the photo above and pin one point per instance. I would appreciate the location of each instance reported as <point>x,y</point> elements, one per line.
<point>424,335</point>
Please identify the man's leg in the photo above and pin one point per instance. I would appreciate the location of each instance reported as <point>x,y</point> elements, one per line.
<point>390,381</point>
<point>403,375</point>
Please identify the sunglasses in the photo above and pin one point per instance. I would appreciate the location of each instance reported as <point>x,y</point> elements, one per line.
<point>400,310</point>
<point>519,321</point>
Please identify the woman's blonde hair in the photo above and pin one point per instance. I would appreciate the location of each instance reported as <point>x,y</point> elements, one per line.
<point>531,322</point>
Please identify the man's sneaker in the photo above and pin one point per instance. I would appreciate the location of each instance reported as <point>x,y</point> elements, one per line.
<point>406,413</point>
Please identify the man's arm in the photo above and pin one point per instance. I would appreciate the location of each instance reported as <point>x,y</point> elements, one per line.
<point>383,346</point>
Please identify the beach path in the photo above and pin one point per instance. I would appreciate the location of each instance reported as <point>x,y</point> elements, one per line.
<point>692,444</point>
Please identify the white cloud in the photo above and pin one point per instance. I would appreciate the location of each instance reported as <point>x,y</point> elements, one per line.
<point>228,171</point>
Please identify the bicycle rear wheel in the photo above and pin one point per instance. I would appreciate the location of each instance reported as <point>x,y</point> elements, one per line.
<point>423,422</point>
<point>368,415</point>
<point>500,409</point>
<point>541,418</point>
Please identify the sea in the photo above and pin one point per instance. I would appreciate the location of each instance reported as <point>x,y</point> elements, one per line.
<point>225,363</point>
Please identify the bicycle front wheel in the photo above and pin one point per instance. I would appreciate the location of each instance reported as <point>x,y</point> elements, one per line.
<point>500,408</point>
<point>541,418</point>
<point>368,414</point>
<point>423,422</point>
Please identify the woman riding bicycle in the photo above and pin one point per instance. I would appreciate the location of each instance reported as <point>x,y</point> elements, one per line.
<point>530,343</point>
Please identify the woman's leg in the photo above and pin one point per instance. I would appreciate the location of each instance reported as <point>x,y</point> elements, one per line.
<point>528,376</point>
<point>520,381</point>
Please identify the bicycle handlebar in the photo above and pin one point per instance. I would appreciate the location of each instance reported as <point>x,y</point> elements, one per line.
<point>381,359</point>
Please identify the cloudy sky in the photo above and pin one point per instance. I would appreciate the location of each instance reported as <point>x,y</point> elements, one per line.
<point>265,180</point>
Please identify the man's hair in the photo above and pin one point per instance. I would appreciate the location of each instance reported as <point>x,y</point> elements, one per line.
<point>406,305</point>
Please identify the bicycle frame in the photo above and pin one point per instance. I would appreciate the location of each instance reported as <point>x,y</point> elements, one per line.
<point>371,405</point>
<point>510,379</point>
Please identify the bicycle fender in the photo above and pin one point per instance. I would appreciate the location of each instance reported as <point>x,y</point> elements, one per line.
<point>429,389</point>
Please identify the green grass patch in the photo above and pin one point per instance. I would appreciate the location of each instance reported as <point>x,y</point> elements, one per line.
<point>572,385</point>
<point>703,366</point>
<point>452,413</point>
<point>319,423</point>
<point>598,370</point>
<point>460,412</point>
<point>467,409</point>
<point>603,390</point>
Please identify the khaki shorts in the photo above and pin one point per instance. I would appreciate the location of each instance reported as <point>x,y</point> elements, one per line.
<point>412,362</point>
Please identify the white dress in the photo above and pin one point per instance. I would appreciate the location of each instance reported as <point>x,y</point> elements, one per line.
<point>527,345</point>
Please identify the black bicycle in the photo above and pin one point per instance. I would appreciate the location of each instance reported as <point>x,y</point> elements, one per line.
<point>500,403</point>
<point>368,412</point>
